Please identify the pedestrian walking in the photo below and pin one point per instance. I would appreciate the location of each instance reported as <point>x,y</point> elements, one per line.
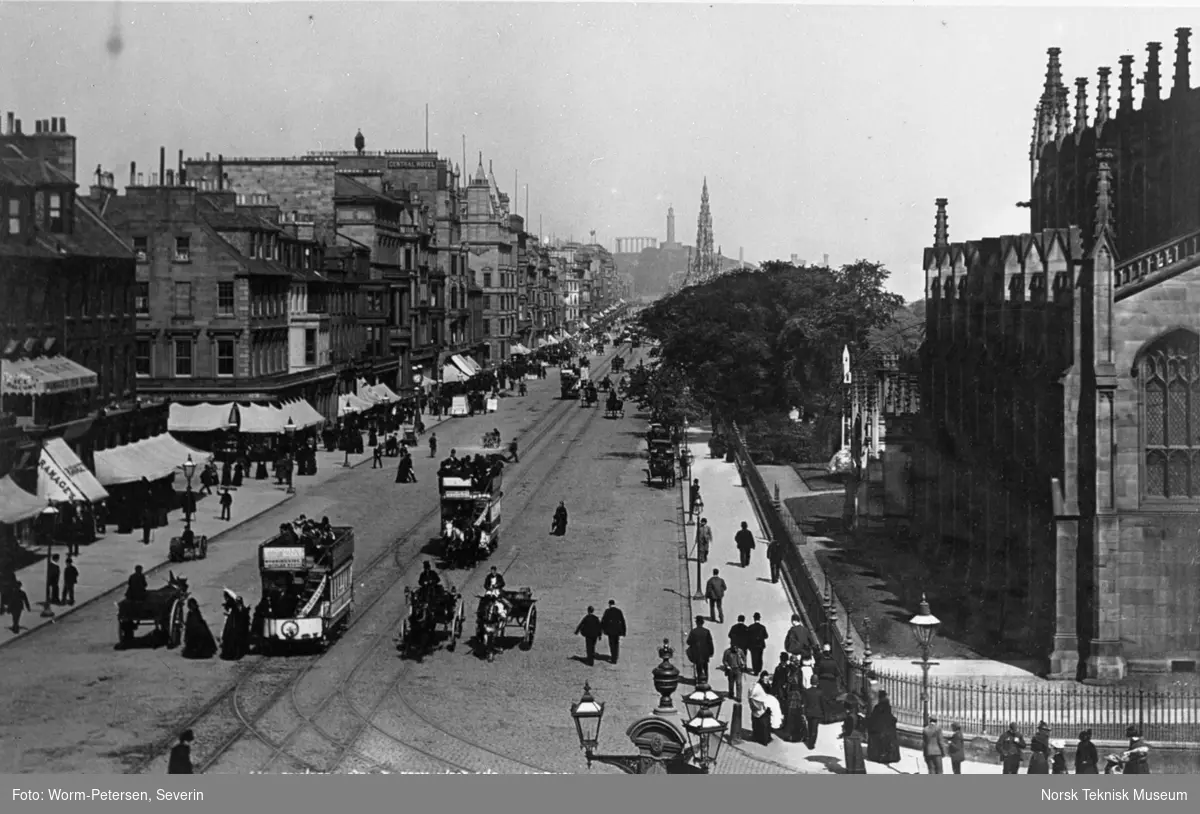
<point>181,754</point>
<point>590,629</point>
<point>745,543</point>
<point>512,451</point>
<point>1086,758</point>
<point>934,746</point>
<point>756,643</point>
<point>853,734</point>
<point>703,540</point>
<point>1039,750</point>
<point>796,642</point>
<point>70,577</point>
<point>433,445</point>
<point>775,558</point>
<point>1058,765</point>
<point>739,637</point>
<point>780,678</point>
<point>700,649</point>
<point>226,503</point>
<point>377,457</point>
<point>814,712</point>
<point>1010,745</point>
<point>693,498</point>
<point>52,572</point>
<point>955,750</point>
<point>147,524</point>
<point>883,745</point>
<point>1137,759</point>
<point>17,602</point>
<point>613,625</point>
<point>714,592</point>
<point>734,665</point>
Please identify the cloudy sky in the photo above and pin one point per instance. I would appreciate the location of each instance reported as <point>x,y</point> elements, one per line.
<point>821,130</point>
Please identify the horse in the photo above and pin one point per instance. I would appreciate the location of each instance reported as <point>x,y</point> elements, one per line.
<point>493,613</point>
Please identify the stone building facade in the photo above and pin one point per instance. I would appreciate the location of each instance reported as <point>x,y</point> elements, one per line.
<point>492,258</point>
<point>1059,477</point>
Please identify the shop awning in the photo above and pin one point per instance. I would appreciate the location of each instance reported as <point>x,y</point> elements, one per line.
<point>472,365</point>
<point>450,373</point>
<point>583,325</point>
<point>200,417</point>
<point>63,478</point>
<point>463,365</point>
<point>262,419</point>
<point>348,404</point>
<point>16,504</point>
<point>303,414</point>
<point>39,377</point>
<point>385,393</point>
<point>518,350</point>
<point>151,458</point>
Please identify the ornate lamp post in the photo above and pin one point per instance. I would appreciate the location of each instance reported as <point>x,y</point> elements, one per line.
<point>924,627</point>
<point>705,731</point>
<point>661,744</point>
<point>189,469</point>
<point>290,430</point>
<point>48,518</point>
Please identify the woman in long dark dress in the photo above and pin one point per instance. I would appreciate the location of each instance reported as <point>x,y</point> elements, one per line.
<point>882,745</point>
<point>827,677</point>
<point>1086,758</point>
<point>854,732</point>
<point>1039,751</point>
<point>198,641</point>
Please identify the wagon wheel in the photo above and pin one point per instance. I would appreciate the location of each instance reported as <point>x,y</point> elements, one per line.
<point>203,546</point>
<point>530,628</point>
<point>402,640</point>
<point>175,624</point>
<point>456,625</point>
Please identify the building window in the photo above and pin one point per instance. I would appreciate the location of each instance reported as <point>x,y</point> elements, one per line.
<point>14,216</point>
<point>487,327</point>
<point>183,250</point>
<point>310,347</point>
<point>487,279</point>
<point>141,359</point>
<point>141,300</point>
<point>224,357</point>
<point>56,212</point>
<point>141,248</point>
<point>183,299</point>
<point>183,357</point>
<point>487,301</point>
<point>225,299</point>
<point>1170,373</point>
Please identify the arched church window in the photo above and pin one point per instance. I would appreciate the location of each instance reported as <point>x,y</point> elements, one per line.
<point>1170,380</point>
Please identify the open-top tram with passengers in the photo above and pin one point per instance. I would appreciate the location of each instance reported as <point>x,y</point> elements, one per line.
<point>568,383</point>
<point>164,608</point>
<point>307,585</point>
<point>470,489</point>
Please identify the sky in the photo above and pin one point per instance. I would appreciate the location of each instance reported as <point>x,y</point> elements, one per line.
<point>820,129</point>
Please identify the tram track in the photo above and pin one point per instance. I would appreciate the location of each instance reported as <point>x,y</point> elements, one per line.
<point>241,719</point>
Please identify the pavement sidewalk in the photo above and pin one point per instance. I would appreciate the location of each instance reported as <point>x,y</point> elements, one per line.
<point>750,590</point>
<point>106,563</point>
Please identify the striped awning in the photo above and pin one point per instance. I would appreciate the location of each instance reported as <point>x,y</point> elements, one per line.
<point>62,477</point>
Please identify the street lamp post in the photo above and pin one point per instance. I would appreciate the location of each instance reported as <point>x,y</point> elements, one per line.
<point>189,469</point>
<point>706,731</point>
<point>290,430</point>
<point>924,627</point>
<point>48,517</point>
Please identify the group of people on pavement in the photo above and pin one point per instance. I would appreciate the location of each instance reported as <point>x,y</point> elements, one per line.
<point>610,625</point>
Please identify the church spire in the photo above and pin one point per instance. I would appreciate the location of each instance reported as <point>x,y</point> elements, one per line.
<point>704,265</point>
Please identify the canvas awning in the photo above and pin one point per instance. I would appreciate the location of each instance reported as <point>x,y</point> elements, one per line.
<point>302,414</point>
<point>16,504</point>
<point>200,417</point>
<point>63,478</point>
<point>386,393</point>
<point>518,350</point>
<point>450,373</point>
<point>151,458</point>
<point>262,419</point>
<point>583,325</point>
<point>463,365</point>
<point>39,377</point>
<point>472,365</point>
<point>366,392</point>
<point>349,404</point>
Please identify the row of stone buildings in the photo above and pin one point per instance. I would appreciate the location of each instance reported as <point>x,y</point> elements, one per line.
<point>258,281</point>
<point>1048,462</point>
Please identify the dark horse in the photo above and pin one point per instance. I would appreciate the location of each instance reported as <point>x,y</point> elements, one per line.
<point>420,627</point>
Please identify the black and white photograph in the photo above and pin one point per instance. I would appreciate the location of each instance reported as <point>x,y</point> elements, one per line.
<point>464,388</point>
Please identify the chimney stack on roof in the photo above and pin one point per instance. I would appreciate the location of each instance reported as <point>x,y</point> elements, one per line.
<point>1102,96</point>
<point>1125,101</point>
<point>162,166</point>
<point>941,228</point>
<point>1183,79</point>
<point>1153,78</point>
<point>11,119</point>
<point>1080,103</point>
<point>132,173</point>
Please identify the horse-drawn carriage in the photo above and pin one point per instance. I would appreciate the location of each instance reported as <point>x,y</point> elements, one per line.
<point>662,464</point>
<point>491,440</point>
<point>470,515</point>
<point>434,613</point>
<point>614,407</point>
<point>568,383</point>
<point>605,383</point>
<point>163,607</point>
<point>618,364</point>
<point>187,545</point>
<point>588,397</point>
<point>497,610</point>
